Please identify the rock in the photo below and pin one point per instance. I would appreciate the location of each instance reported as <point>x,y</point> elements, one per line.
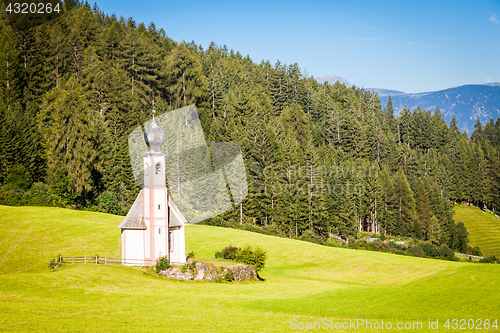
<point>243,273</point>
<point>176,273</point>
<point>209,272</point>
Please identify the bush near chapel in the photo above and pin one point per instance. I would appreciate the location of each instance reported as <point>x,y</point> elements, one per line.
<point>253,257</point>
<point>230,252</point>
<point>162,264</point>
<point>248,255</point>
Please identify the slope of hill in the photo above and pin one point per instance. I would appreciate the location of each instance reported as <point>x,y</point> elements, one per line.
<point>483,228</point>
<point>465,102</point>
<point>304,282</point>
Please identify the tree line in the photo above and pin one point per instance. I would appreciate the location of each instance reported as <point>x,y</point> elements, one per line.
<point>320,158</point>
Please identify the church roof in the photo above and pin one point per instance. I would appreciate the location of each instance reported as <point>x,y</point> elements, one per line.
<point>135,216</point>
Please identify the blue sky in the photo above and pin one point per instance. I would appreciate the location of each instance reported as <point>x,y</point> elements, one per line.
<point>412,46</point>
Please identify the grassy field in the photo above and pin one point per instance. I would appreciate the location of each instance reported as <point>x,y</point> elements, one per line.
<point>483,228</point>
<point>304,282</point>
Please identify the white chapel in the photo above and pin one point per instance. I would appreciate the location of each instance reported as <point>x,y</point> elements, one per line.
<point>154,226</point>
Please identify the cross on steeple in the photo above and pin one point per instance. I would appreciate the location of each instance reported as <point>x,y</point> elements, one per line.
<point>154,109</point>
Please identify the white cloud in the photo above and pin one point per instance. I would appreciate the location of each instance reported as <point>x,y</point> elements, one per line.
<point>487,79</point>
<point>493,18</point>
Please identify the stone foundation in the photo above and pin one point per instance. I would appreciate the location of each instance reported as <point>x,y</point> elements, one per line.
<point>211,272</point>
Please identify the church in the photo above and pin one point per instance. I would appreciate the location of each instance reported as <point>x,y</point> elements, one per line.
<point>154,226</point>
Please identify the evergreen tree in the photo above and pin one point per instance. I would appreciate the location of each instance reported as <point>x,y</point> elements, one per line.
<point>403,204</point>
<point>73,139</point>
<point>424,213</point>
<point>185,79</point>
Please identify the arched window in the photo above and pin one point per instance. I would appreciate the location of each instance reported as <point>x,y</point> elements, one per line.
<point>146,169</point>
<point>159,169</point>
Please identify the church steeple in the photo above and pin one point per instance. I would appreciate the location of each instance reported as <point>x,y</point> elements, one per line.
<point>154,136</point>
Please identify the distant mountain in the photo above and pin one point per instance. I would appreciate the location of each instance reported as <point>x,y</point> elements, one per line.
<point>386,92</point>
<point>332,79</point>
<point>466,102</point>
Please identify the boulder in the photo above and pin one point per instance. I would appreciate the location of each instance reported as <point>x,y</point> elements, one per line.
<point>176,273</point>
<point>200,271</point>
<point>243,273</point>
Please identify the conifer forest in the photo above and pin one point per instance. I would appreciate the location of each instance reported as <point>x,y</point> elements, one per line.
<point>319,158</point>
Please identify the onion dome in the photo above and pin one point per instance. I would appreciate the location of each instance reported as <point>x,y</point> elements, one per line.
<point>154,137</point>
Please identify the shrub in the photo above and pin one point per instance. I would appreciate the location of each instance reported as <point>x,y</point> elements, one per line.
<point>230,252</point>
<point>108,203</point>
<point>61,188</point>
<point>10,196</point>
<point>251,227</point>
<point>191,265</point>
<point>218,255</point>
<point>377,245</point>
<point>475,251</point>
<point>253,257</point>
<point>162,264</point>
<point>416,251</point>
<point>445,251</point>
<point>393,246</point>
<point>216,222</point>
<point>274,230</point>
<point>190,255</point>
<point>489,260</point>
<point>429,249</point>
<point>19,178</point>
<point>228,276</point>
<point>39,195</point>
<point>310,236</point>
<point>358,243</point>
<point>54,263</point>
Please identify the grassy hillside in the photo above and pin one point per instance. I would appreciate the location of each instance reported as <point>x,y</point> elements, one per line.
<point>303,281</point>
<point>483,228</point>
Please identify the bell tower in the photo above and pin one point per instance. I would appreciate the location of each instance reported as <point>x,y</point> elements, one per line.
<point>155,194</point>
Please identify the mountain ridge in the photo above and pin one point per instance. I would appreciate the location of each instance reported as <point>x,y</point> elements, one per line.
<point>467,102</point>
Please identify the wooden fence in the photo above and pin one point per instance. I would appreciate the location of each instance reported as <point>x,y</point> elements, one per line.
<point>104,260</point>
<point>338,238</point>
<point>468,255</point>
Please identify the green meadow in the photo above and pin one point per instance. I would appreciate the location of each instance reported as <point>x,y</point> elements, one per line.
<point>303,282</point>
<point>483,228</point>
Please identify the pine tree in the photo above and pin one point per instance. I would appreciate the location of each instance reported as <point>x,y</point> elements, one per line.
<point>72,135</point>
<point>403,204</point>
<point>10,73</point>
<point>424,212</point>
<point>185,79</point>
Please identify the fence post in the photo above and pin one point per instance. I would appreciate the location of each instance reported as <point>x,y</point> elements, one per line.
<point>73,257</point>
<point>104,260</point>
<point>85,259</point>
<point>96,259</point>
<point>60,259</point>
